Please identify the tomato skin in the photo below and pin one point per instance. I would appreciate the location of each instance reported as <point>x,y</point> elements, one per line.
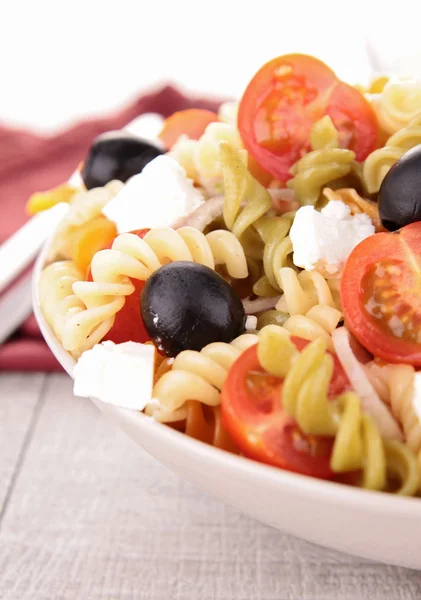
<point>348,104</point>
<point>283,101</point>
<point>191,122</point>
<point>139,232</point>
<point>256,421</point>
<point>128,325</point>
<point>258,173</point>
<point>403,248</point>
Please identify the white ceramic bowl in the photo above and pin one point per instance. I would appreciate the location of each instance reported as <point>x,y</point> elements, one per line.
<point>373,525</point>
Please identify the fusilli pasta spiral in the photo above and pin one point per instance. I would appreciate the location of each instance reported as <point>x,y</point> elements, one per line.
<point>246,205</point>
<point>278,246</point>
<point>57,300</point>
<point>85,206</point>
<point>183,152</point>
<point>326,163</point>
<point>133,257</point>
<point>379,162</point>
<point>203,423</point>
<point>271,317</point>
<point>358,444</point>
<point>246,200</point>
<point>318,323</point>
<point>195,376</point>
<point>397,104</point>
<point>395,386</point>
<point>201,158</point>
<point>308,299</point>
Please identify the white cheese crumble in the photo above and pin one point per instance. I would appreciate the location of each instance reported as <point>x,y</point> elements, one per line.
<point>118,374</point>
<point>146,126</point>
<point>324,240</point>
<point>251,322</point>
<point>159,196</point>
<point>75,179</point>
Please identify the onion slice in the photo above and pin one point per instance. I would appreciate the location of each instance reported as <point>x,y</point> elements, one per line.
<point>370,400</point>
<point>252,307</point>
<point>206,213</point>
<point>284,199</point>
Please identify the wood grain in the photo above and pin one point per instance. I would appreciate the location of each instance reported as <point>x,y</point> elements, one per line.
<point>19,396</point>
<point>92,517</point>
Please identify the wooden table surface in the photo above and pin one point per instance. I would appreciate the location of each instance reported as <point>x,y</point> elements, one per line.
<point>87,515</point>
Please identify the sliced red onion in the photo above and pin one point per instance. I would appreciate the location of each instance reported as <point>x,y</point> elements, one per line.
<point>206,213</point>
<point>258,305</point>
<point>284,199</point>
<point>370,400</point>
<point>180,222</point>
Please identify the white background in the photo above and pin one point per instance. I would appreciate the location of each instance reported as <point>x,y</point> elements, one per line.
<point>60,59</point>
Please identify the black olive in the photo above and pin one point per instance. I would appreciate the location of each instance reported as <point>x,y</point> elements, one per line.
<point>400,192</point>
<point>116,155</point>
<point>186,306</point>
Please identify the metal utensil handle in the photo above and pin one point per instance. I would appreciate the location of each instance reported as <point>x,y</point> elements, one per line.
<point>17,253</point>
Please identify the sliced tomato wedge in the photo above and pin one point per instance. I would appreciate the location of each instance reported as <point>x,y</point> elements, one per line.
<point>283,101</point>
<point>128,325</point>
<point>252,414</point>
<point>354,119</point>
<point>258,173</point>
<point>381,294</point>
<point>191,122</point>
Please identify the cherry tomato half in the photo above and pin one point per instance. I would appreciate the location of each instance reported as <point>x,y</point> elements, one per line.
<point>283,100</point>
<point>128,325</point>
<point>258,173</point>
<point>191,122</point>
<point>381,294</point>
<point>252,414</point>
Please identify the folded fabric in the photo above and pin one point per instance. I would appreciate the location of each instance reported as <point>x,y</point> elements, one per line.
<point>33,163</point>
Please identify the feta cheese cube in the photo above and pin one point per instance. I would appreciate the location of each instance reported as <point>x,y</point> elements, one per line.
<point>159,196</point>
<point>75,179</point>
<point>323,240</point>
<point>146,126</point>
<point>251,323</point>
<point>118,374</point>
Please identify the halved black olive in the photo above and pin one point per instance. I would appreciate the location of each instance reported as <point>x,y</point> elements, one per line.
<point>116,155</point>
<point>400,192</point>
<point>186,306</point>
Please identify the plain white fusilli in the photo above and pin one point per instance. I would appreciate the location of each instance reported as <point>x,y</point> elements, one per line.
<point>196,376</point>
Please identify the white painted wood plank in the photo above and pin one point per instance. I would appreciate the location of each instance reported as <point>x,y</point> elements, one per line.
<point>94,518</point>
<point>19,395</point>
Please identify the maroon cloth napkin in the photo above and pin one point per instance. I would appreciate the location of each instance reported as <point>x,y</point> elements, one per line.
<point>33,163</point>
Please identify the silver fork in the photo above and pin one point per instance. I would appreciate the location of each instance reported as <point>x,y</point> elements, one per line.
<point>16,255</point>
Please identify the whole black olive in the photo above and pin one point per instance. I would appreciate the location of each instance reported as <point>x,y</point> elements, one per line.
<point>186,306</point>
<point>400,192</point>
<point>116,155</point>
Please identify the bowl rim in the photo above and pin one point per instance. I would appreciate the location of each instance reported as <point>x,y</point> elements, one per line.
<point>333,492</point>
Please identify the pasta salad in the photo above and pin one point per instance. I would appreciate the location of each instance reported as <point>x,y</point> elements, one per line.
<point>253,277</point>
